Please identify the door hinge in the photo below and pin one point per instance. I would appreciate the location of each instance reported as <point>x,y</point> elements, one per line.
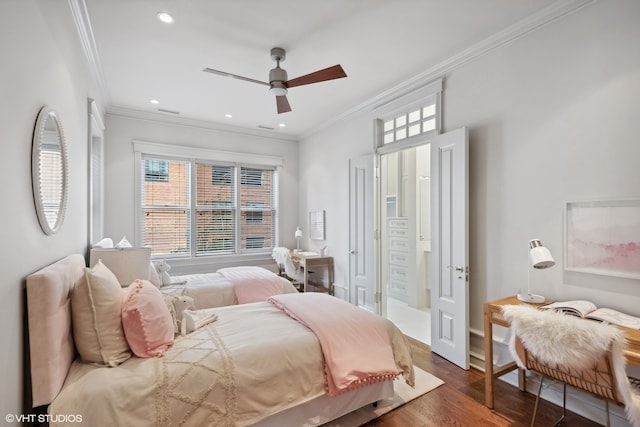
<point>377,297</point>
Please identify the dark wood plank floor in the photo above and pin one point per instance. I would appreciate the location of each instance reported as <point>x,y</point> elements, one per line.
<point>460,401</point>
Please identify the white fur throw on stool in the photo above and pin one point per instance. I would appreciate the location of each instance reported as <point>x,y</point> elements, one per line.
<point>557,338</point>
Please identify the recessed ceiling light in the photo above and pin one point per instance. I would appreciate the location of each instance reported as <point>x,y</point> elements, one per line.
<point>282,125</point>
<point>228,115</point>
<point>154,101</point>
<point>165,17</point>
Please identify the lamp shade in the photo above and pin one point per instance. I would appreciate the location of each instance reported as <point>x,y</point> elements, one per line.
<point>298,234</point>
<point>539,256</point>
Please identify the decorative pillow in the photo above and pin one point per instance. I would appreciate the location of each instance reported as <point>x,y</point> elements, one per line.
<point>96,307</point>
<point>146,319</point>
<point>154,277</point>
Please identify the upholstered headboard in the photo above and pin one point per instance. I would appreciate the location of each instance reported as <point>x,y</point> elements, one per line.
<point>50,336</point>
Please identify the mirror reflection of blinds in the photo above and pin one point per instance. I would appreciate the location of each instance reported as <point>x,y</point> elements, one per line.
<point>232,209</point>
<point>51,182</point>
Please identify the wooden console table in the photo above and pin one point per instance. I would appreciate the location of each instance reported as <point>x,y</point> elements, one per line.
<point>309,263</point>
<point>493,316</point>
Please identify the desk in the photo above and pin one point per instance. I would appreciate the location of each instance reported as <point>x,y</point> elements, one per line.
<point>493,316</point>
<point>311,263</point>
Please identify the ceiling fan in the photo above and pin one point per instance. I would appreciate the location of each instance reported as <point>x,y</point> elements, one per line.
<point>278,80</point>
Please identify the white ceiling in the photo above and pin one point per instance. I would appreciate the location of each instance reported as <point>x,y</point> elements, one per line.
<point>379,43</point>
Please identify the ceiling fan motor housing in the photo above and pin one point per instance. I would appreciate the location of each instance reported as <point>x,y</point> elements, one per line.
<point>277,79</point>
<point>277,75</point>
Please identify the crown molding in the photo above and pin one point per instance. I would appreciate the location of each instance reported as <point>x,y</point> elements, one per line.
<point>203,124</point>
<point>85,34</point>
<point>531,23</point>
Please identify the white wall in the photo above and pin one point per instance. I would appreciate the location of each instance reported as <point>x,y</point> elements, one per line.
<point>324,185</point>
<point>119,175</point>
<point>42,64</point>
<point>553,117</point>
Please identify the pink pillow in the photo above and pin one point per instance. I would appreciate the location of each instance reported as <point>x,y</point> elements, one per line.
<point>146,320</point>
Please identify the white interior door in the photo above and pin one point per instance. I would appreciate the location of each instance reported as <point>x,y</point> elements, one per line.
<point>449,247</point>
<point>361,249</point>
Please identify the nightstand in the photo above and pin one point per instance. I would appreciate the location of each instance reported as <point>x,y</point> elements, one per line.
<point>313,264</point>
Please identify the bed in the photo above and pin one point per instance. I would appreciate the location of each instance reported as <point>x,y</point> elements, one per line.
<point>255,365</point>
<point>210,290</point>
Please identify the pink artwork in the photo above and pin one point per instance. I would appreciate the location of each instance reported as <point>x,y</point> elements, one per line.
<point>604,237</point>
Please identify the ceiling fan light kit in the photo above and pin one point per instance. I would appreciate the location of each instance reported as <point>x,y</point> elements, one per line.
<point>279,82</point>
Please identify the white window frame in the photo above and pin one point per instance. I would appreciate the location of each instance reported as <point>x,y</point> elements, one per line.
<point>430,93</point>
<point>194,154</point>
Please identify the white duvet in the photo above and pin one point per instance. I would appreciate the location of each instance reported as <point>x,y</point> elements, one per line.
<point>265,363</point>
<point>211,289</point>
<point>253,362</point>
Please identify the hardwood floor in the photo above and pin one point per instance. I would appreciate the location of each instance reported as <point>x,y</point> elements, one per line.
<point>460,401</point>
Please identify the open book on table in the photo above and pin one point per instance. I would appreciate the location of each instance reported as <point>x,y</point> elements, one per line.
<point>588,310</point>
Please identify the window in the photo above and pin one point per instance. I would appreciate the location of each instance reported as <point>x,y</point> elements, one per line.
<point>412,123</point>
<point>221,175</point>
<point>255,242</point>
<point>156,170</point>
<point>409,120</point>
<point>254,217</point>
<point>166,208</point>
<point>205,208</point>
<point>251,178</point>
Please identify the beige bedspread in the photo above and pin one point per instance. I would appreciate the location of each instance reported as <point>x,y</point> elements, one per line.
<point>254,361</point>
<point>204,379</point>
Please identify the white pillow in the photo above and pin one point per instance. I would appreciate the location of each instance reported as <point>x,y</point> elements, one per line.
<point>96,307</point>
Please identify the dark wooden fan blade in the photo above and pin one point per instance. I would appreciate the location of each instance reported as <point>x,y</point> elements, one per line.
<point>235,76</point>
<point>335,72</point>
<point>283,104</point>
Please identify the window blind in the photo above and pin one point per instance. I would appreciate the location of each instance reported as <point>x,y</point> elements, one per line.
<point>232,208</point>
<point>165,205</point>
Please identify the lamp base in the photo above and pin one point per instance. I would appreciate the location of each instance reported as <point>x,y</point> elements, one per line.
<point>531,298</point>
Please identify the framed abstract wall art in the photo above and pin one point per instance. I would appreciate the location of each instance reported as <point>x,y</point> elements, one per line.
<point>603,237</point>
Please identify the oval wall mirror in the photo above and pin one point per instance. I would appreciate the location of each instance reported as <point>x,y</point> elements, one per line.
<point>49,170</point>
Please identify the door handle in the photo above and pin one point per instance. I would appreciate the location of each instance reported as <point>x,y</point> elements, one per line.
<point>458,268</point>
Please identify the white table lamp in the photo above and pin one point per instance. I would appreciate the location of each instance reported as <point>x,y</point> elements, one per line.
<point>298,236</point>
<point>539,258</point>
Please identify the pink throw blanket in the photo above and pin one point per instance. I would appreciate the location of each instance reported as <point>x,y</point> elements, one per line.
<point>355,343</point>
<point>252,284</point>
